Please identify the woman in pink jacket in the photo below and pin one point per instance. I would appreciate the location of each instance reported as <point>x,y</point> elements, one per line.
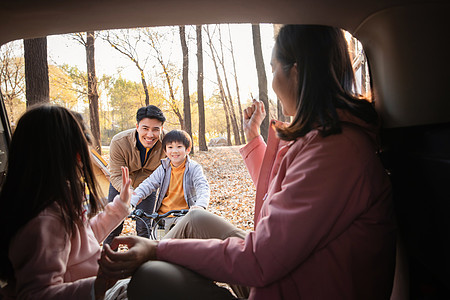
<point>323,210</point>
<point>49,212</point>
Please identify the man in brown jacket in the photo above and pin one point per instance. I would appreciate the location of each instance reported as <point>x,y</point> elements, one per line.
<point>141,151</point>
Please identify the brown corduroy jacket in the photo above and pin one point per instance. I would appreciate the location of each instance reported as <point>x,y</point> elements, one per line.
<point>124,152</point>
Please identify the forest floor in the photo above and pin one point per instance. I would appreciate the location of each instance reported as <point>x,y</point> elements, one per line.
<point>232,190</point>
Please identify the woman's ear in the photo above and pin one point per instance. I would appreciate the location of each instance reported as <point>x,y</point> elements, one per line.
<point>293,76</point>
<point>294,70</point>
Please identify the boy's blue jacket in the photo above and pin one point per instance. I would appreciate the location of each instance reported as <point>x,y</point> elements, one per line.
<point>195,186</point>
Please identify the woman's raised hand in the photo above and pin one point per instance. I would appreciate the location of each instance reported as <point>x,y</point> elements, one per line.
<point>125,193</point>
<point>253,117</point>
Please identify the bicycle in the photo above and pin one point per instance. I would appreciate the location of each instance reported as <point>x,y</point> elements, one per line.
<point>157,230</point>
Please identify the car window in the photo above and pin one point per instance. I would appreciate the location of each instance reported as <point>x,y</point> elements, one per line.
<point>125,57</point>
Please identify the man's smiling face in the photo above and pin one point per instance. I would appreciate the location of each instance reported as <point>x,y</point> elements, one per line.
<point>149,131</point>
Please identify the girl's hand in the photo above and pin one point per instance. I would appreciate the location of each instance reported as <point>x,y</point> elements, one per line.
<point>125,194</point>
<point>253,117</point>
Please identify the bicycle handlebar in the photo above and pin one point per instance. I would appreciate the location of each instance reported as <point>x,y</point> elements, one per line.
<point>155,216</point>
<point>156,219</point>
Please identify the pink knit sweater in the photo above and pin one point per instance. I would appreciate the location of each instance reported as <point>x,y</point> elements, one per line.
<point>51,264</point>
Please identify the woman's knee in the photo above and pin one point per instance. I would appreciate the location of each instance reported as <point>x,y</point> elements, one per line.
<point>163,280</point>
<point>151,279</point>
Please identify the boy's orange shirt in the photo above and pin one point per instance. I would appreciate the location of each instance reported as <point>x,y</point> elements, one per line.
<point>174,198</point>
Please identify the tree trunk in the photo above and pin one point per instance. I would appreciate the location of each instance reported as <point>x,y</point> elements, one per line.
<point>262,79</point>
<point>201,101</point>
<point>222,92</point>
<point>237,138</point>
<point>186,98</point>
<point>144,84</point>
<point>227,117</point>
<point>92,91</point>
<point>241,128</point>
<point>36,71</point>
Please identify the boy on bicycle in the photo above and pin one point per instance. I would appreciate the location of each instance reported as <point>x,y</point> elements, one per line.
<point>181,182</point>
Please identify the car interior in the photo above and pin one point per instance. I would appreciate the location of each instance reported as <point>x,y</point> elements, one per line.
<point>404,41</point>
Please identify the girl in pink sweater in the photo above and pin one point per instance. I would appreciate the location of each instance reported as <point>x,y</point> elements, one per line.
<point>51,215</point>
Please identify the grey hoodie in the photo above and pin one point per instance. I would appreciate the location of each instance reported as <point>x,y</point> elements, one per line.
<point>195,186</point>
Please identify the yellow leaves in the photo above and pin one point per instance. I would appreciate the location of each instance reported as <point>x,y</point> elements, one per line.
<point>61,90</point>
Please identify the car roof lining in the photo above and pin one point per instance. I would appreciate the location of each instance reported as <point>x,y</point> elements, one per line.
<point>27,19</point>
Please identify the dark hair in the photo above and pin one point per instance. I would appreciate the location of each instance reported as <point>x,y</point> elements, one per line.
<point>151,112</point>
<point>49,162</point>
<point>86,132</point>
<point>326,80</point>
<point>179,136</point>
